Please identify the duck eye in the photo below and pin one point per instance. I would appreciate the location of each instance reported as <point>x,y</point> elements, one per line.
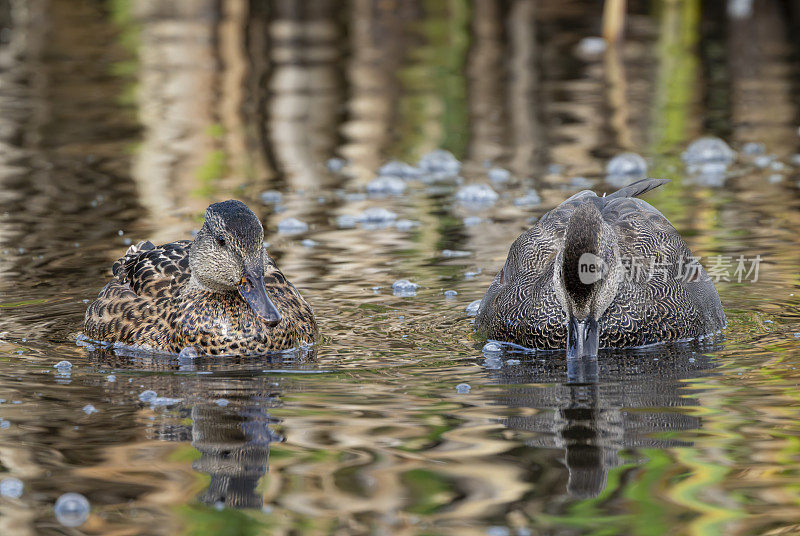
<point>221,241</point>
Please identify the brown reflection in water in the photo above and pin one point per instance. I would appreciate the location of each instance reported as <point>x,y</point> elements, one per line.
<point>62,163</point>
<point>594,422</point>
<point>178,81</point>
<point>762,92</point>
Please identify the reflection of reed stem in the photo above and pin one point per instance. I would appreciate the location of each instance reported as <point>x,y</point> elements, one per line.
<point>613,20</point>
<point>617,99</point>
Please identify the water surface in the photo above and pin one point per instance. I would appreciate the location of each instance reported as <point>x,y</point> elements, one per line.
<point>121,121</point>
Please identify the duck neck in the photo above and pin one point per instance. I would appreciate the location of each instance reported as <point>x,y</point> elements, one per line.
<point>583,263</point>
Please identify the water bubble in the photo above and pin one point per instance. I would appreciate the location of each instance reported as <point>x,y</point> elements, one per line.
<point>147,396</point>
<point>453,253</point>
<point>463,388</point>
<point>346,221</point>
<point>752,148</point>
<point>555,169</point>
<point>271,197</point>
<point>513,362</point>
<point>404,288</point>
<point>763,161</point>
<point>111,378</point>
<point>72,509</point>
<point>476,195</point>
<point>292,226</point>
<point>398,169</point>
<point>472,221</point>
<point>531,199</point>
<point>5,424</point>
<point>777,165</point>
<point>405,225</point>
<point>188,353</point>
<point>580,182</point>
<point>222,402</point>
<point>470,275</point>
<point>707,150</point>
<point>335,165</point>
<point>740,9</point>
<point>164,401</point>
<point>498,175</point>
<point>377,217</point>
<point>492,349</point>
<point>591,47</point>
<point>775,178</point>
<point>63,366</point>
<point>472,308</point>
<point>11,487</point>
<point>88,409</point>
<point>624,168</point>
<point>439,161</point>
<point>450,293</point>
<point>352,197</point>
<point>308,243</point>
<point>386,185</point>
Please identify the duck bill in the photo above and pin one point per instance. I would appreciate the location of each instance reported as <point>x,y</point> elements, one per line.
<point>251,288</point>
<point>583,337</point>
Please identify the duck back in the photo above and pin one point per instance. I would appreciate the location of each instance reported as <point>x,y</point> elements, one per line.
<point>665,295</point>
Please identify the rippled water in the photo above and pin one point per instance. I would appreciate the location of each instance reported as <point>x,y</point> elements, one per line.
<point>121,121</point>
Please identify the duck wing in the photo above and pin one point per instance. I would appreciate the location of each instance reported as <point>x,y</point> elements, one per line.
<point>666,292</point>
<point>147,268</point>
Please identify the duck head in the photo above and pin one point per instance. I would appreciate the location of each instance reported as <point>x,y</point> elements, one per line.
<point>227,255</point>
<point>586,277</point>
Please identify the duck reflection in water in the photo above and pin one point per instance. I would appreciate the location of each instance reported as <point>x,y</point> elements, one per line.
<point>234,445</point>
<point>231,425</point>
<point>635,398</point>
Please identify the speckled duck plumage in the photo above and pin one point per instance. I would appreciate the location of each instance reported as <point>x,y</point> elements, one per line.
<point>537,292</point>
<point>204,294</point>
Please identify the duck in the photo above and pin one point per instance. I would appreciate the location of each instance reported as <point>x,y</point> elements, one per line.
<point>219,294</point>
<point>600,272</point>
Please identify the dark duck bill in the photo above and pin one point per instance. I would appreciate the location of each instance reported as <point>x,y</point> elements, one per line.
<point>251,288</point>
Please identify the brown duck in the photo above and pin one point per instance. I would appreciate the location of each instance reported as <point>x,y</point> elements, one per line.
<point>600,272</point>
<point>220,294</point>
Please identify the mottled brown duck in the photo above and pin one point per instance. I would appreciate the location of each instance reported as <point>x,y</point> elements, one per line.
<point>600,272</point>
<point>220,294</point>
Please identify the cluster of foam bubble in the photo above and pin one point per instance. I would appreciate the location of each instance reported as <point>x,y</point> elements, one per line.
<point>11,487</point>
<point>707,160</point>
<point>404,288</point>
<point>625,168</point>
<point>292,226</point>
<point>463,388</point>
<point>376,217</point>
<point>472,308</point>
<point>151,397</point>
<point>530,199</point>
<point>590,48</point>
<point>476,196</point>
<point>271,197</point>
<point>498,175</point>
<point>386,185</point>
<point>439,161</point>
<point>396,168</point>
<point>455,253</point>
<point>335,165</point>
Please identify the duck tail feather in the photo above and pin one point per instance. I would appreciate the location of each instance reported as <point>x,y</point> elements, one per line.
<point>638,188</point>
